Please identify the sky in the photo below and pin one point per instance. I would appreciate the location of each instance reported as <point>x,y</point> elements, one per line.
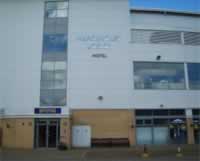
<point>180,5</point>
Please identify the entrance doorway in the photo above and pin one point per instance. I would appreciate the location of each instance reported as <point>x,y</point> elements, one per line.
<point>47,132</point>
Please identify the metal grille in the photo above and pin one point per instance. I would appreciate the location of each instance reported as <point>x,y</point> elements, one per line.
<point>192,38</point>
<point>156,36</point>
<point>165,37</point>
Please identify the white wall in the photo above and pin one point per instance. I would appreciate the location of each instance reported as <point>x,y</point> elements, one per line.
<point>168,53</point>
<point>90,77</point>
<point>20,51</point>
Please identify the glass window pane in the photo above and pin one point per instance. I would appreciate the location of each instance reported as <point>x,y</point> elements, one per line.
<point>160,121</point>
<point>144,112</point>
<point>148,122</point>
<point>60,65</point>
<point>53,97</point>
<point>61,13</point>
<point>160,112</point>
<point>144,135</point>
<point>47,75</point>
<point>194,75</point>
<point>62,5</point>
<point>139,122</point>
<point>55,43</point>
<point>60,84</point>
<point>46,97</point>
<point>47,85</point>
<point>149,75</point>
<point>56,5</point>
<point>59,97</point>
<point>51,5</point>
<point>60,75</point>
<point>51,13</point>
<point>196,112</point>
<point>48,66</point>
<point>160,135</point>
<point>61,25</point>
<point>177,112</point>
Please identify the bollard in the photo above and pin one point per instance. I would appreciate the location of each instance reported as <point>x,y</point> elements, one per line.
<point>145,153</point>
<point>179,152</point>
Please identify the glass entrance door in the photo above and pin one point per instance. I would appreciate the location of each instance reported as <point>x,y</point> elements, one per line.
<point>42,133</point>
<point>47,133</point>
<point>52,134</point>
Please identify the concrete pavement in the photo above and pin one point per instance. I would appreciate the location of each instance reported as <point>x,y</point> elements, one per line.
<point>157,153</point>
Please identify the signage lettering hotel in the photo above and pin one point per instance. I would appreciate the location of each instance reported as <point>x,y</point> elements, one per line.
<point>98,41</point>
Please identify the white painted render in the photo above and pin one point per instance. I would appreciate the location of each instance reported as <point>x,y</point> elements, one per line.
<point>21,31</point>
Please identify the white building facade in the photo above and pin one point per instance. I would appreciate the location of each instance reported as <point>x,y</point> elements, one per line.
<point>129,76</point>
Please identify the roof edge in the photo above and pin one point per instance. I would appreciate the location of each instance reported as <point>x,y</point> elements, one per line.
<point>165,11</point>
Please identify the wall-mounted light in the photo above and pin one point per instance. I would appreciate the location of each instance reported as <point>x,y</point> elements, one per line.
<point>161,105</point>
<point>158,57</point>
<point>100,98</point>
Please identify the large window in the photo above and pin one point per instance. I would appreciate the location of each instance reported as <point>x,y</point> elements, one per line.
<point>55,43</point>
<point>56,9</point>
<point>149,75</point>
<point>53,75</point>
<point>155,126</point>
<point>194,75</point>
<point>54,56</point>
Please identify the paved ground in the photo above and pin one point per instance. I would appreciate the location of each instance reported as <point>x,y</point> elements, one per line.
<point>160,153</point>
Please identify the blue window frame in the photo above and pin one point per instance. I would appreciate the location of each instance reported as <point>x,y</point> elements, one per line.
<point>194,75</point>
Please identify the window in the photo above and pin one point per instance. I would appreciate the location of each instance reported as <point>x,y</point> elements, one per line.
<point>53,83</point>
<point>144,112</point>
<point>176,112</point>
<point>194,75</point>
<point>56,9</point>
<point>53,75</point>
<point>54,56</point>
<point>53,97</point>
<point>55,43</point>
<point>149,75</point>
<point>196,112</point>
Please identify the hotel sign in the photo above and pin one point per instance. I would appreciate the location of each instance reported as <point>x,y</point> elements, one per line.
<point>47,110</point>
<point>95,41</point>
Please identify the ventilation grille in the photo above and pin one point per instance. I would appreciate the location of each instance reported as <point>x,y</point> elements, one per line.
<point>165,37</point>
<point>191,38</point>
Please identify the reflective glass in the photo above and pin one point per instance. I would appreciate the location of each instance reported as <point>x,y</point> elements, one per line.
<point>61,13</point>
<point>56,9</point>
<point>144,135</point>
<point>148,75</point>
<point>47,84</point>
<point>194,75</point>
<point>160,135</point>
<point>51,13</point>
<point>48,66</point>
<point>60,65</point>
<point>59,84</point>
<point>60,75</point>
<point>47,75</point>
<point>53,98</point>
<point>56,5</point>
<point>55,43</point>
